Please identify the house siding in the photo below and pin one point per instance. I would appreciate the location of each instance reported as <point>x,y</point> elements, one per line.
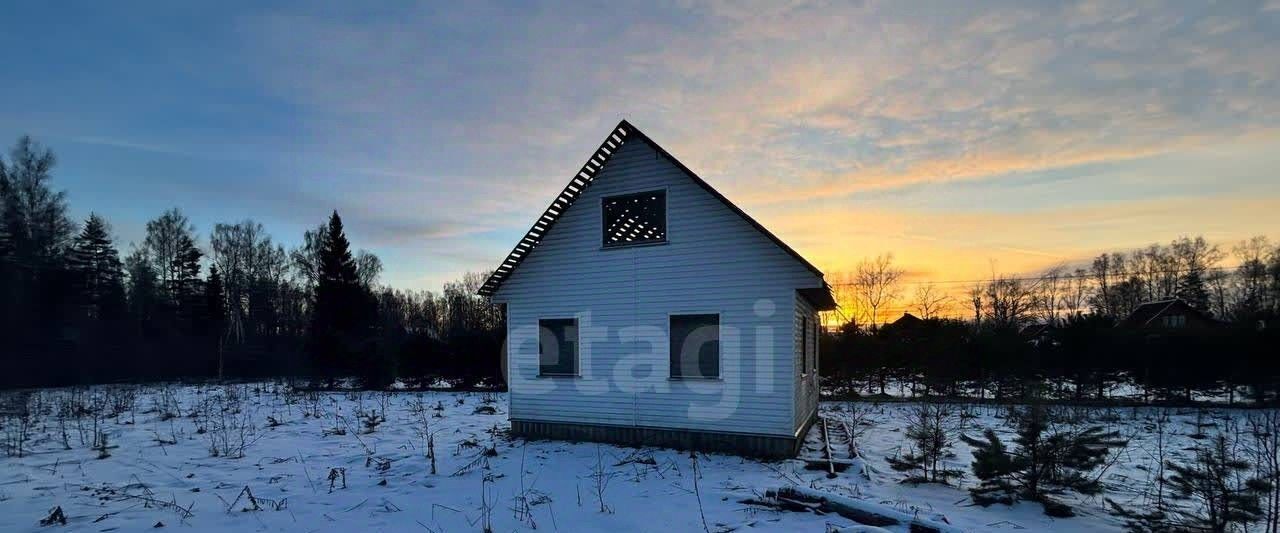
<point>713,262</point>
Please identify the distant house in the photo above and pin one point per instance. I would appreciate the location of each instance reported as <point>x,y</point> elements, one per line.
<point>1032,331</point>
<point>906,321</point>
<point>643,307</point>
<point>1168,314</point>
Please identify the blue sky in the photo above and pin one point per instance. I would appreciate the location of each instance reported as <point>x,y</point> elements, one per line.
<point>1027,133</point>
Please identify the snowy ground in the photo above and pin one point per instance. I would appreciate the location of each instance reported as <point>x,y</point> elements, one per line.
<point>159,468</point>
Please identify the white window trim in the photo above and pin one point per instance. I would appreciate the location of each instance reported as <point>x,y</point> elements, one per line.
<point>577,347</point>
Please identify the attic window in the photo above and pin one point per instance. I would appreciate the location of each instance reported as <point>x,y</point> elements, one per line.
<point>632,219</point>
<point>1174,321</point>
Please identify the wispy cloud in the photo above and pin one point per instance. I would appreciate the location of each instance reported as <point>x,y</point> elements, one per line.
<point>450,128</point>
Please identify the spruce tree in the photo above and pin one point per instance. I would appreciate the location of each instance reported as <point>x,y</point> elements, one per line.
<point>186,269</point>
<point>215,315</point>
<point>8,270</point>
<point>185,285</point>
<point>1191,289</point>
<point>6,198</point>
<point>97,268</point>
<point>1047,462</point>
<point>143,289</point>
<point>343,315</point>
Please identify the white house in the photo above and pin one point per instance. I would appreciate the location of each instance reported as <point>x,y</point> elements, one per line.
<point>643,307</point>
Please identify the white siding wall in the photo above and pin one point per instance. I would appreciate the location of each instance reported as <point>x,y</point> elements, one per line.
<point>806,376</point>
<point>713,262</point>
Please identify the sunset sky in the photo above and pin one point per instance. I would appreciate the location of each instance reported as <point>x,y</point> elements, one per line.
<point>952,136</point>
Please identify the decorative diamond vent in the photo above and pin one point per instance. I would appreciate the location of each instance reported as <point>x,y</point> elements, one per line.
<point>632,219</point>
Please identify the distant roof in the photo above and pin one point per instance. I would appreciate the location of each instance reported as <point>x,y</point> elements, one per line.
<point>1035,330</point>
<point>906,318</point>
<point>1144,313</point>
<point>622,133</point>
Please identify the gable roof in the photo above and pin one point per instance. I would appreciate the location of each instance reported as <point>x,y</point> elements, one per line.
<point>907,319</point>
<point>1147,312</point>
<point>621,133</point>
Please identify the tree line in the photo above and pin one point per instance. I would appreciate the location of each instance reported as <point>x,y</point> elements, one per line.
<point>231,304</point>
<point>1007,335</point>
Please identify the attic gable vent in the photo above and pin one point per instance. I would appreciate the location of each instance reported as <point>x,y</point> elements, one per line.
<point>632,219</point>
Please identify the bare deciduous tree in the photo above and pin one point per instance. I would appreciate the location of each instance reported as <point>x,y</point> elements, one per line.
<point>877,284</point>
<point>975,300</point>
<point>164,242</point>
<point>1077,293</point>
<point>1010,301</point>
<point>1049,297</point>
<point>368,267</point>
<point>930,302</point>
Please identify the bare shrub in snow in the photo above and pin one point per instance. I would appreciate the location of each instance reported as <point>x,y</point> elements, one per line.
<point>18,420</point>
<point>527,498</point>
<point>119,400</point>
<point>337,478</point>
<point>486,504</point>
<point>101,445</point>
<point>1265,428</point>
<point>600,478</point>
<point>165,403</point>
<point>420,417</point>
<point>228,423</point>
<point>311,404</point>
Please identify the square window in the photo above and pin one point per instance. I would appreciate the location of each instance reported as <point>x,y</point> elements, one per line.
<point>695,346</point>
<point>558,347</point>
<point>632,219</point>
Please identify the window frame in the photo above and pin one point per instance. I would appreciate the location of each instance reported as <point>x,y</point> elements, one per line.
<point>666,220</point>
<point>815,325</point>
<point>719,347</point>
<point>804,345</point>
<point>577,348</point>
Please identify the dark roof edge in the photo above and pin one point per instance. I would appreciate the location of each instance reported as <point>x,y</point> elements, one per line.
<point>707,186</point>
<point>622,132</point>
<point>577,184</point>
<point>819,297</point>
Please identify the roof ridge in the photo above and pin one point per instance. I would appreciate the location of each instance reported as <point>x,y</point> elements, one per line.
<point>583,179</point>
<point>1166,307</point>
<point>577,184</point>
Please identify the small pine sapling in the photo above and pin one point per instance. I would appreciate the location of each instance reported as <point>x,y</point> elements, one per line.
<point>1215,493</point>
<point>1046,462</point>
<point>931,440</point>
